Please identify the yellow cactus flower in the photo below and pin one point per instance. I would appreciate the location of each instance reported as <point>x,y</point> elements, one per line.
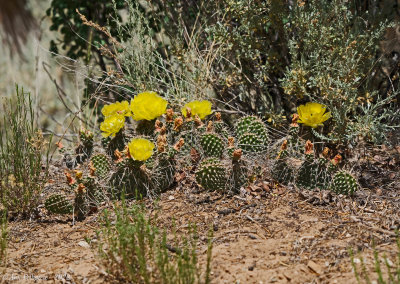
<point>148,106</point>
<point>112,124</point>
<point>313,114</point>
<point>121,108</point>
<point>140,149</point>
<point>200,108</point>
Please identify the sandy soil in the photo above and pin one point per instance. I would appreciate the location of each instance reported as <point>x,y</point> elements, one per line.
<point>269,235</point>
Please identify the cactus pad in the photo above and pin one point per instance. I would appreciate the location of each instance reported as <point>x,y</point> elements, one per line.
<point>58,204</point>
<point>243,124</point>
<point>211,174</point>
<point>250,142</point>
<point>212,145</point>
<point>344,183</point>
<point>282,172</point>
<point>313,175</point>
<point>252,134</point>
<point>102,165</point>
<point>240,175</point>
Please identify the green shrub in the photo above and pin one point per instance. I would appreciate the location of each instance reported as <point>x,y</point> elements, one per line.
<point>152,60</point>
<point>22,169</point>
<point>3,239</point>
<point>255,56</point>
<point>135,251</point>
<point>333,52</point>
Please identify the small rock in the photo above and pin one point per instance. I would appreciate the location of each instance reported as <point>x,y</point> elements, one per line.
<point>273,279</point>
<point>389,262</point>
<point>83,244</point>
<point>171,197</point>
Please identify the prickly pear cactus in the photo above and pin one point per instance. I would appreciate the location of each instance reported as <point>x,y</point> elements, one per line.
<point>133,177</point>
<point>86,137</point>
<point>294,133</point>
<point>80,202</point>
<point>240,171</point>
<point>58,204</point>
<point>282,172</point>
<point>211,174</point>
<point>101,164</point>
<point>252,134</point>
<point>312,175</point>
<point>250,143</point>
<point>163,172</point>
<point>244,124</point>
<point>85,148</point>
<point>212,145</point>
<point>115,143</point>
<point>344,183</point>
<point>220,127</point>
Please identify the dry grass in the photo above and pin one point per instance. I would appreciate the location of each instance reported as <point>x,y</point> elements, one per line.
<point>37,70</point>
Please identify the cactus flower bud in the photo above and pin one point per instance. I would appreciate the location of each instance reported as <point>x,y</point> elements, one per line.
<point>309,148</point>
<point>178,122</point>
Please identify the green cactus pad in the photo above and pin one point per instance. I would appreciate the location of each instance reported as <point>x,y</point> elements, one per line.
<point>243,124</point>
<point>239,175</point>
<point>252,134</point>
<point>251,142</point>
<point>258,128</point>
<point>344,183</point>
<point>163,173</point>
<point>131,177</point>
<point>220,129</point>
<point>212,145</point>
<point>102,165</point>
<point>58,204</point>
<point>312,175</point>
<point>282,172</point>
<point>211,175</point>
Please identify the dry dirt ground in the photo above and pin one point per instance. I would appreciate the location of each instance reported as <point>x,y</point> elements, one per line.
<point>275,235</point>
<point>266,234</point>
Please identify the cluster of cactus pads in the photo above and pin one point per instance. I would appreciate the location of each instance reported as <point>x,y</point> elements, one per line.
<point>210,151</point>
<point>313,172</point>
<point>220,158</point>
<point>87,183</point>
